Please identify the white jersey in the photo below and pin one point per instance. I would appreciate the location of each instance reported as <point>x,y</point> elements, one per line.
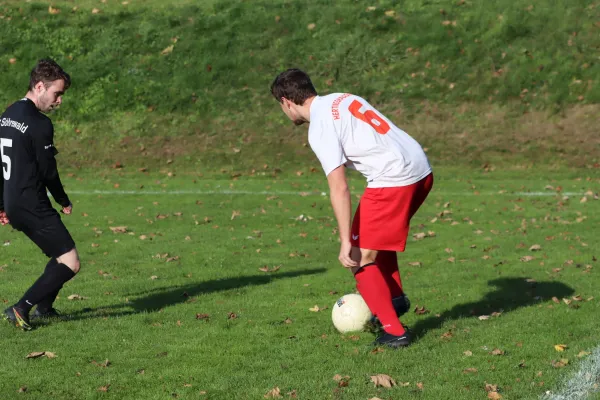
<point>346,129</point>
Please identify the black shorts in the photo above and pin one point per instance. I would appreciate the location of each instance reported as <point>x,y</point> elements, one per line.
<point>51,236</point>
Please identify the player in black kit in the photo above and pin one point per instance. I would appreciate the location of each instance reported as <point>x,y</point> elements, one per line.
<point>29,168</point>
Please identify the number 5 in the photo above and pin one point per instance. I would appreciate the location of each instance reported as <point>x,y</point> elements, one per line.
<point>5,159</point>
<point>370,117</point>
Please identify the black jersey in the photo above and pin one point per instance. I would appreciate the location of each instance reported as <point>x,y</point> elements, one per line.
<point>28,165</point>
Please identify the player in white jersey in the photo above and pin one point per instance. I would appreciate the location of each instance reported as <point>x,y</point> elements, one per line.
<point>346,131</point>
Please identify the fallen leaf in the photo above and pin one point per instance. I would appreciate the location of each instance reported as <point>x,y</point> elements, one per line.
<point>483,317</point>
<point>118,229</point>
<point>470,371</point>
<point>556,300</point>
<point>494,395</point>
<point>382,380</point>
<point>315,308</point>
<point>77,297</point>
<point>35,354</point>
<point>527,258</point>
<point>53,10</point>
<point>468,353</point>
<point>497,352</point>
<point>420,385</point>
<point>50,354</point>
<point>560,347</point>
<point>535,247</point>
<point>560,363</point>
<point>583,354</point>
<point>421,310</point>
<point>202,316</point>
<point>273,393</point>
<point>167,50</point>
<point>311,26</point>
<point>22,389</point>
<point>104,388</point>
<point>415,264</point>
<point>12,60</point>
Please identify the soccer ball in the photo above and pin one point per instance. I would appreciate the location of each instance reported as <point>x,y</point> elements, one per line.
<point>350,313</point>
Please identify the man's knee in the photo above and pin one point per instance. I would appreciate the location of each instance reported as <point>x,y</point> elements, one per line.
<point>367,256</point>
<point>71,260</point>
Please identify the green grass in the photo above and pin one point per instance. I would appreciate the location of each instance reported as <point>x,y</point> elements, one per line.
<point>210,94</point>
<point>139,323</point>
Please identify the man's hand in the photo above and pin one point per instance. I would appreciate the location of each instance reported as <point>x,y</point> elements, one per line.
<point>344,257</point>
<point>3,218</point>
<point>67,210</point>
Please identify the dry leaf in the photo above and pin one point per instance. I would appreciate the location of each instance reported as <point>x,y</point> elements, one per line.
<point>118,229</point>
<point>202,316</point>
<point>470,371</point>
<point>167,50</point>
<point>527,258</point>
<point>556,300</point>
<point>77,297</point>
<point>535,247</point>
<point>35,354</point>
<point>104,388</point>
<point>49,354</point>
<point>96,11</point>
<point>311,26</point>
<point>494,395</point>
<point>273,393</point>
<point>560,347</point>
<point>483,317</point>
<point>497,352</point>
<point>420,385</point>
<point>382,380</point>
<point>415,264</point>
<point>421,310</point>
<point>560,363</point>
<point>315,308</point>
<point>53,10</point>
<point>468,353</point>
<point>583,354</point>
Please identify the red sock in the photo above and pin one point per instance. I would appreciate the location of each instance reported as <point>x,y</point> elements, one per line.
<point>375,291</point>
<point>388,264</point>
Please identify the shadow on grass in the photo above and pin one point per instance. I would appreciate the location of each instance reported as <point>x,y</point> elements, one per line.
<point>509,294</point>
<point>156,299</point>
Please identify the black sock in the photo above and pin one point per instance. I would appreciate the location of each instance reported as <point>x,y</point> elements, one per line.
<point>46,303</point>
<point>54,277</point>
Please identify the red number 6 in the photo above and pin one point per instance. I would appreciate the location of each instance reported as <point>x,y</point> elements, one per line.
<point>370,117</point>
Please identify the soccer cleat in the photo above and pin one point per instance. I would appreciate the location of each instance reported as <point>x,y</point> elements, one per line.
<point>393,341</point>
<point>18,317</point>
<point>48,314</point>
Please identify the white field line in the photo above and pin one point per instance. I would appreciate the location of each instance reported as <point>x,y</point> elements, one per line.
<point>292,193</point>
<point>581,385</point>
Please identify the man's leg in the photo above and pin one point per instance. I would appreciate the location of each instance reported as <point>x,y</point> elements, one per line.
<point>374,289</point>
<point>54,240</point>
<point>45,306</point>
<point>54,277</point>
<point>388,264</point>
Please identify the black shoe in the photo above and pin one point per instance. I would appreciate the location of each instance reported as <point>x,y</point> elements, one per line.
<point>18,318</point>
<point>48,314</point>
<point>393,341</point>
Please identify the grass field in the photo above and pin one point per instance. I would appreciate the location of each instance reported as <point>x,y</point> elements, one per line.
<point>195,245</point>
<point>224,239</point>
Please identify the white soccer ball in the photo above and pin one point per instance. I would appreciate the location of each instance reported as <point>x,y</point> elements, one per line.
<point>350,313</point>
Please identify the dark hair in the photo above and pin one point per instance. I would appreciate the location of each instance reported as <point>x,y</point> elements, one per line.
<point>48,71</point>
<point>294,85</point>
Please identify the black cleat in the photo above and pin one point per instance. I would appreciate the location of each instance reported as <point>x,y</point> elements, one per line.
<point>18,318</point>
<point>48,314</point>
<point>393,341</point>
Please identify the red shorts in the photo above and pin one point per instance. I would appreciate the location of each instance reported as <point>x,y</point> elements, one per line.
<point>382,218</point>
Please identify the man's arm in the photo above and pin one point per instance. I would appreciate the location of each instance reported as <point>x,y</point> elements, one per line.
<point>342,208</point>
<point>48,170</point>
